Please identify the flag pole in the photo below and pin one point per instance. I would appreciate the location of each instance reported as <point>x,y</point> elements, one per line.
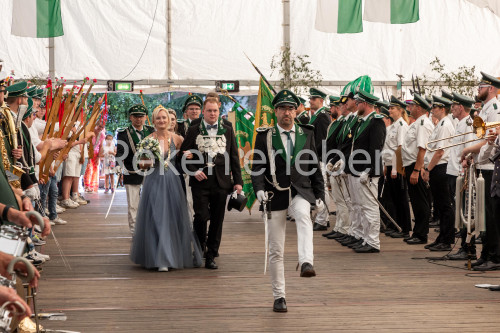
<point>260,73</point>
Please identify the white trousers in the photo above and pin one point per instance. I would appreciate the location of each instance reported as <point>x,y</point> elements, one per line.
<point>342,200</point>
<point>355,228</point>
<point>368,224</point>
<point>133,197</point>
<point>300,210</point>
<point>323,216</point>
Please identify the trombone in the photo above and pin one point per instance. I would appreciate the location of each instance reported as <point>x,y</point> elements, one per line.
<point>479,128</point>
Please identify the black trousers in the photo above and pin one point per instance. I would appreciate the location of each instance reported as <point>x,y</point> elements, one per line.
<point>491,241</point>
<point>395,201</point>
<point>419,197</point>
<point>209,203</point>
<point>442,200</point>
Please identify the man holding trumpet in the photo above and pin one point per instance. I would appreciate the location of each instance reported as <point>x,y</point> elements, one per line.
<point>487,93</point>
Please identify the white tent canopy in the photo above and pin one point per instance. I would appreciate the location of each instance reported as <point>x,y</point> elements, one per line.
<point>109,39</point>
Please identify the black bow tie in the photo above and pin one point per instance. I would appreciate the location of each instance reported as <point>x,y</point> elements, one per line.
<point>209,127</point>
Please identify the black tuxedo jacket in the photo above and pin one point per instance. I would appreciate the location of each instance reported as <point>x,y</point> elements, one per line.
<point>331,139</point>
<point>310,187</point>
<point>223,179</point>
<point>371,139</point>
<point>321,123</point>
<point>132,178</point>
<point>344,144</point>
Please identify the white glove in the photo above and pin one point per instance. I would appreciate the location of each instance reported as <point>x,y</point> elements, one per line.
<point>37,189</point>
<point>363,179</point>
<point>320,205</point>
<point>30,193</point>
<point>339,165</point>
<point>329,166</point>
<point>261,196</point>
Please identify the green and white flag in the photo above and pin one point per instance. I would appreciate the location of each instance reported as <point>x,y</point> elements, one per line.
<point>391,11</point>
<point>37,18</point>
<point>244,127</point>
<point>339,16</point>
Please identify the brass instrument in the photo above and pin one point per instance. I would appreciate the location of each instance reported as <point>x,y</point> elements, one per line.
<point>17,171</point>
<point>479,128</point>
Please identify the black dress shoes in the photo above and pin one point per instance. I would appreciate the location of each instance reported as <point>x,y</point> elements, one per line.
<point>440,247</point>
<point>431,245</point>
<point>366,249</point>
<point>356,244</point>
<point>280,305</point>
<point>319,227</point>
<point>478,262</point>
<point>307,270</point>
<point>494,288</point>
<point>415,241</point>
<point>461,254</point>
<point>210,263</point>
<point>336,236</point>
<point>329,233</point>
<point>487,266</point>
<point>398,234</point>
<point>350,241</point>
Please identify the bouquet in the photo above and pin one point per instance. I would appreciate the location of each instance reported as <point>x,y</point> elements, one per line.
<point>145,148</point>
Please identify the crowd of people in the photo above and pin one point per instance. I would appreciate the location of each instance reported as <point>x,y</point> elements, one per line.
<point>379,162</point>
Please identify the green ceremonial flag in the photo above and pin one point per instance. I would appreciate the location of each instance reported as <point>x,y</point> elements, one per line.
<point>244,126</point>
<point>264,113</point>
<point>37,18</point>
<point>339,16</point>
<point>392,11</point>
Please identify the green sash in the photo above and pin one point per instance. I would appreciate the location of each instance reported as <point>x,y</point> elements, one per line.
<point>363,125</point>
<point>333,126</point>
<point>315,115</point>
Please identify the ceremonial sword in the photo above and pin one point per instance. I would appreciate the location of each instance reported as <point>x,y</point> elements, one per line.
<point>382,208</point>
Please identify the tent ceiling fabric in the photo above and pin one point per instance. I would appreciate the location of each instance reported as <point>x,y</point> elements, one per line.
<point>105,41</point>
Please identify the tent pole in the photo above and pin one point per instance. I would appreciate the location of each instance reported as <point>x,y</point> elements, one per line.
<point>286,39</point>
<point>52,62</point>
<point>169,39</point>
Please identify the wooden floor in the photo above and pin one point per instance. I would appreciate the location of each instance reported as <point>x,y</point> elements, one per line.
<point>394,291</point>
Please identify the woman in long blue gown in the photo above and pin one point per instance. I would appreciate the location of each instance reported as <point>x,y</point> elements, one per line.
<point>163,236</point>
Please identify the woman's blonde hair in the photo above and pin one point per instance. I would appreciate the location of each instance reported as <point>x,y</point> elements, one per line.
<point>403,113</point>
<point>157,111</point>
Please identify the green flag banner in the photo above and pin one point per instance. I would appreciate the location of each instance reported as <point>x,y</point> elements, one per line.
<point>244,133</point>
<point>264,112</point>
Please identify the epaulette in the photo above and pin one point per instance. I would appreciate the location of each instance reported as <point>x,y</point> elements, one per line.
<point>149,126</point>
<point>421,122</point>
<point>400,123</point>
<point>122,129</point>
<point>263,129</point>
<point>378,116</point>
<point>495,106</point>
<point>308,126</point>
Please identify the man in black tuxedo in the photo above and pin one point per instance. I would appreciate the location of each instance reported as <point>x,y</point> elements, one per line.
<point>211,169</point>
<point>286,170</point>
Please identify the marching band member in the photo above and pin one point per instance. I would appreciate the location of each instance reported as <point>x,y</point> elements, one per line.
<point>413,152</point>
<point>434,171</point>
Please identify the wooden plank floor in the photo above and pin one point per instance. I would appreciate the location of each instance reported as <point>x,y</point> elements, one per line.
<point>389,291</point>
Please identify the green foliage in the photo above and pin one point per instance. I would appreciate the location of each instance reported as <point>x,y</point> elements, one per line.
<point>295,71</point>
<point>462,81</point>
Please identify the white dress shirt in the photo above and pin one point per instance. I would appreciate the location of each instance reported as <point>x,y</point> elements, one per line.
<point>395,137</point>
<point>212,131</point>
<point>416,137</point>
<point>465,125</point>
<point>284,137</point>
<point>444,129</point>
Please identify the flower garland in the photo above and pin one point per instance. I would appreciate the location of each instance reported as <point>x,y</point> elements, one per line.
<point>211,145</point>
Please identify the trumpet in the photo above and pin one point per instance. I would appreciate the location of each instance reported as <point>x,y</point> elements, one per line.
<point>479,128</point>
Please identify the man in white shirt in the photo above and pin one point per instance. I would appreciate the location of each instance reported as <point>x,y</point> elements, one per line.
<point>490,254</point>
<point>461,109</point>
<point>435,162</point>
<point>413,152</point>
